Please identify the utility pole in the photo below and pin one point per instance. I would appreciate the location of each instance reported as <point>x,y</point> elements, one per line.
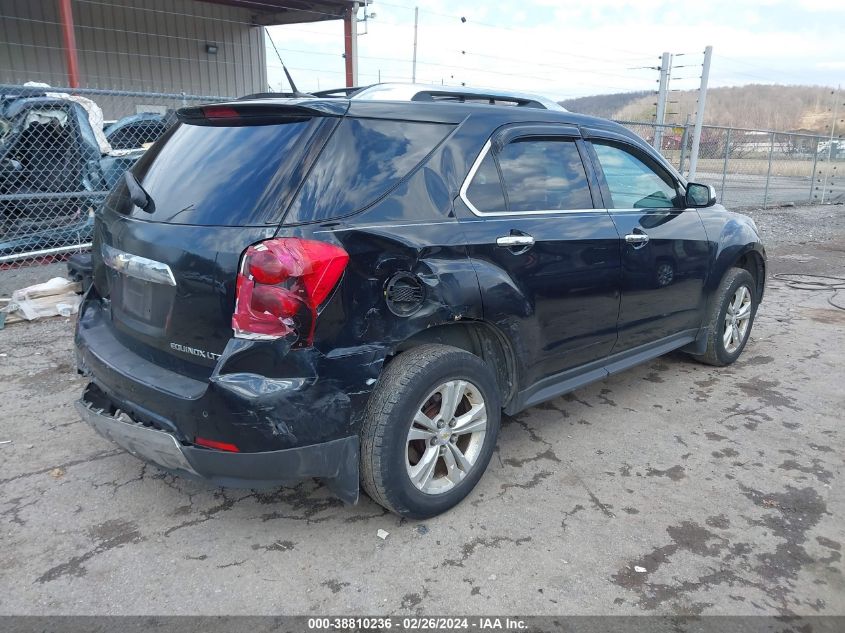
<point>663,89</point>
<point>414,66</point>
<point>699,114</point>
<point>350,41</point>
<point>354,43</point>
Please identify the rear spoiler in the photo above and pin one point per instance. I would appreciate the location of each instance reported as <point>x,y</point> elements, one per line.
<point>261,111</point>
<point>339,93</point>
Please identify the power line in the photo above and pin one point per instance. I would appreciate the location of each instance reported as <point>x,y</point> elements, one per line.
<point>761,67</point>
<point>489,25</point>
<point>590,71</point>
<point>585,71</point>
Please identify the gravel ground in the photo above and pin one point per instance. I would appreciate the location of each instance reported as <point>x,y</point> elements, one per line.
<point>674,488</point>
<point>799,225</point>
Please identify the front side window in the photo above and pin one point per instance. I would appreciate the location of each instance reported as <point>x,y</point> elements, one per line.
<point>537,174</point>
<point>632,183</point>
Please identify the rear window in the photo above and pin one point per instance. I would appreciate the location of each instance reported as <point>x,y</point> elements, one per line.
<point>210,175</point>
<point>363,160</point>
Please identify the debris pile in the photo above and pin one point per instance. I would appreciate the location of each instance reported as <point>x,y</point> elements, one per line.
<point>57,297</point>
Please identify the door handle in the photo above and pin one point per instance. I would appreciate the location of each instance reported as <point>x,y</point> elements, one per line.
<point>637,239</point>
<point>509,241</point>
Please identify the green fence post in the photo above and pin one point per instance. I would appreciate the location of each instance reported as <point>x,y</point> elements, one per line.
<point>813,173</point>
<point>725,163</point>
<point>684,139</point>
<point>769,170</point>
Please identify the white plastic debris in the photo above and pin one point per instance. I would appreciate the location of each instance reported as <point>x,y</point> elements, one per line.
<point>6,442</point>
<point>51,298</point>
<point>382,534</point>
<point>640,570</point>
<point>95,113</point>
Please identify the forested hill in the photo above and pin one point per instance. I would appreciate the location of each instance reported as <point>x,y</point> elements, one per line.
<point>752,106</point>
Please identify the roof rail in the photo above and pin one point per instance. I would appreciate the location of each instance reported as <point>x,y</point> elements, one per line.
<point>462,94</point>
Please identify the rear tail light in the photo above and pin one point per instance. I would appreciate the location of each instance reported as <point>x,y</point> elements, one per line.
<point>281,285</point>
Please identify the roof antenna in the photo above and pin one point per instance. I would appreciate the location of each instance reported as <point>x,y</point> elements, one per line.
<point>296,92</point>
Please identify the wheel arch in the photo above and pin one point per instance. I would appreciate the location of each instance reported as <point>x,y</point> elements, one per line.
<point>752,261</point>
<point>750,258</point>
<point>476,337</point>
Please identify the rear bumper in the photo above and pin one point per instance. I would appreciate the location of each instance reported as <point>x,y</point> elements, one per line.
<point>336,461</point>
<point>292,414</point>
<point>260,397</point>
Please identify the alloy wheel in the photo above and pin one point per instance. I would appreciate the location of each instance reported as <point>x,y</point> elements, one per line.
<point>446,437</point>
<point>737,319</point>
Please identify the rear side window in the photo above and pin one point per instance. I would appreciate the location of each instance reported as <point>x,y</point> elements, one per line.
<point>537,174</point>
<point>362,161</point>
<point>210,175</point>
<point>485,191</point>
<point>544,175</point>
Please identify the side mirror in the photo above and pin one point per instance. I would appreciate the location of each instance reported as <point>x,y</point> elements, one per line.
<point>699,195</point>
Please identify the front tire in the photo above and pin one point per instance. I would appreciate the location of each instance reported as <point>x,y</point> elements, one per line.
<point>429,430</point>
<point>730,318</point>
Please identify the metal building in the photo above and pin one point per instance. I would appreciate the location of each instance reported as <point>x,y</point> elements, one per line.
<point>199,47</point>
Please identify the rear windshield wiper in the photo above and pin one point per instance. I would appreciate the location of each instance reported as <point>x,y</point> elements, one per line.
<point>139,197</point>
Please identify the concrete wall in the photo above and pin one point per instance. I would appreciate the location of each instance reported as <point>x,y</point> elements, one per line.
<point>141,45</point>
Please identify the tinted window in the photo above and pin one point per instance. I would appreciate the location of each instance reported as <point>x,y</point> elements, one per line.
<point>632,183</point>
<point>363,159</point>
<point>212,175</point>
<point>135,135</point>
<point>542,175</point>
<point>485,191</point>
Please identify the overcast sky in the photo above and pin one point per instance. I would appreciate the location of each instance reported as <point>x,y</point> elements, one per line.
<point>567,49</point>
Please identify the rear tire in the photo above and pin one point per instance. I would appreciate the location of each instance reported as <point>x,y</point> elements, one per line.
<point>429,430</point>
<point>730,318</point>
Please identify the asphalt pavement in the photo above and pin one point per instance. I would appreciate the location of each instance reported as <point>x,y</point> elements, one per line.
<point>673,488</point>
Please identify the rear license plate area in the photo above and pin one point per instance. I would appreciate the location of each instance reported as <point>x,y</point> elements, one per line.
<point>137,298</point>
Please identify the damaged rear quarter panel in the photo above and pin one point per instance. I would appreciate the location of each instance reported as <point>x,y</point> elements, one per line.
<point>309,398</point>
<point>432,250</point>
<point>283,396</point>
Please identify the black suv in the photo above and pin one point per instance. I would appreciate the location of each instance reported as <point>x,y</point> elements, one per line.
<point>356,288</point>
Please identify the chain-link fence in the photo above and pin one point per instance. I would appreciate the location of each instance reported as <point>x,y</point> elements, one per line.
<point>59,157</point>
<point>129,62</point>
<point>755,167</point>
